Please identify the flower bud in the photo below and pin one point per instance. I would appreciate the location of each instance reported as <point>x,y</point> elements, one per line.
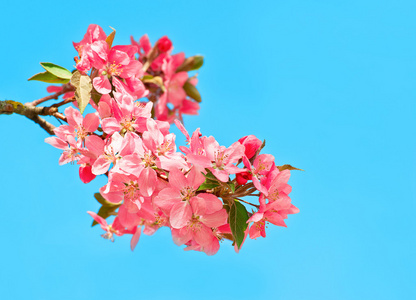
<point>243,177</point>
<point>251,143</point>
<point>86,174</point>
<point>164,44</point>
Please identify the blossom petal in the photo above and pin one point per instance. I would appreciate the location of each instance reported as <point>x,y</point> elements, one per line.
<point>180,214</point>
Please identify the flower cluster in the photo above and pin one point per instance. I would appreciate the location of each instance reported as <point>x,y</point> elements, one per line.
<point>140,70</point>
<point>198,191</point>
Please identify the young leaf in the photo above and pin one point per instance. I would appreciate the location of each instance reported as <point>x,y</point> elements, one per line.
<point>237,218</point>
<point>95,96</point>
<point>105,212</point>
<point>155,80</point>
<point>191,63</point>
<point>208,185</point>
<point>110,38</point>
<point>100,199</point>
<point>232,187</point>
<point>75,79</point>
<point>83,89</point>
<point>288,167</point>
<point>48,77</point>
<point>56,70</point>
<point>107,208</point>
<point>192,92</point>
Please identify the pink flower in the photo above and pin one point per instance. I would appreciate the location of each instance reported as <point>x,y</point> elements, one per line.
<point>79,125</point>
<point>116,62</point>
<point>207,216</point>
<point>164,44</point>
<point>143,46</point>
<point>251,144</point>
<point>116,229</point>
<point>279,205</point>
<point>218,159</point>
<point>94,33</point>
<point>55,89</point>
<point>260,168</point>
<point>175,200</point>
<point>69,145</point>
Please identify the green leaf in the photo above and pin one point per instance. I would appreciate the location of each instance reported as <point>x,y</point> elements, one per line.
<point>107,208</point>
<point>192,92</point>
<point>100,199</point>
<point>56,70</point>
<point>48,77</point>
<point>95,96</point>
<point>191,63</point>
<point>237,218</point>
<point>110,38</point>
<point>208,185</point>
<point>232,187</point>
<point>147,77</point>
<point>105,212</point>
<point>155,80</point>
<point>83,89</point>
<point>210,176</point>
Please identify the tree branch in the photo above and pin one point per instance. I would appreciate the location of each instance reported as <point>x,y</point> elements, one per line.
<point>65,88</point>
<point>9,107</point>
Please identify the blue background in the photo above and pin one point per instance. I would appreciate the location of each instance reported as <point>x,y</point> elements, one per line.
<point>330,85</point>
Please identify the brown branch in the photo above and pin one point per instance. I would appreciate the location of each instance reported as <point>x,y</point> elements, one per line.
<point>65,88</point>
<point>44,124</point>
<point>241,200</point>
<point>63,102</point>
<point>9,107</point>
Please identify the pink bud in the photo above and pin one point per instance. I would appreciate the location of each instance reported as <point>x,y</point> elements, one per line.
<point>85,174</point>
<point>164,44</point>
<point>242,178</point>
<point>251,143</point>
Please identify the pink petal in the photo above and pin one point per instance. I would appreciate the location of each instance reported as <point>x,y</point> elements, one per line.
<point>102,84</point>
<point>73,116</point>
<point>167,198</point>
<point>91,122</point>
<point>198,206</point>
<point>95,144</point>
<point>135,238</point>
<point>127,219</point>
<point>99,220</point>
<point>213,204</point>
<point>180,214</point>
<point>203,235</point>
<point>181,236</point>
<point>195,178</point>
<point>101,165</point>
<point>85,174</point>
<point>216,219</point>
<point>54,89</point>
<point>111,125</point>
<point>147,182</point>
<point>177,179</point>
<point>57,143</point>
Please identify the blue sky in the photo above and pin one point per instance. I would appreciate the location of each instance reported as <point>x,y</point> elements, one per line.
<point>330,85</point>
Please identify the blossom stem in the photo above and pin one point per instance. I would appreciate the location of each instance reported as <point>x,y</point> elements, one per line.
<point>246,202</point>
<point>65,88</point>
<point>66,101</point>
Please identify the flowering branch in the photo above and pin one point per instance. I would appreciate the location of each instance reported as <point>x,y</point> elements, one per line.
<point>135,93</point>
<point>31,112</point>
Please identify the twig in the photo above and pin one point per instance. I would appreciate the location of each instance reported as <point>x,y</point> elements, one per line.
<point>31,112</point>
<point>65,88</point>
<point>66,101</point>
<point>246,202</point>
